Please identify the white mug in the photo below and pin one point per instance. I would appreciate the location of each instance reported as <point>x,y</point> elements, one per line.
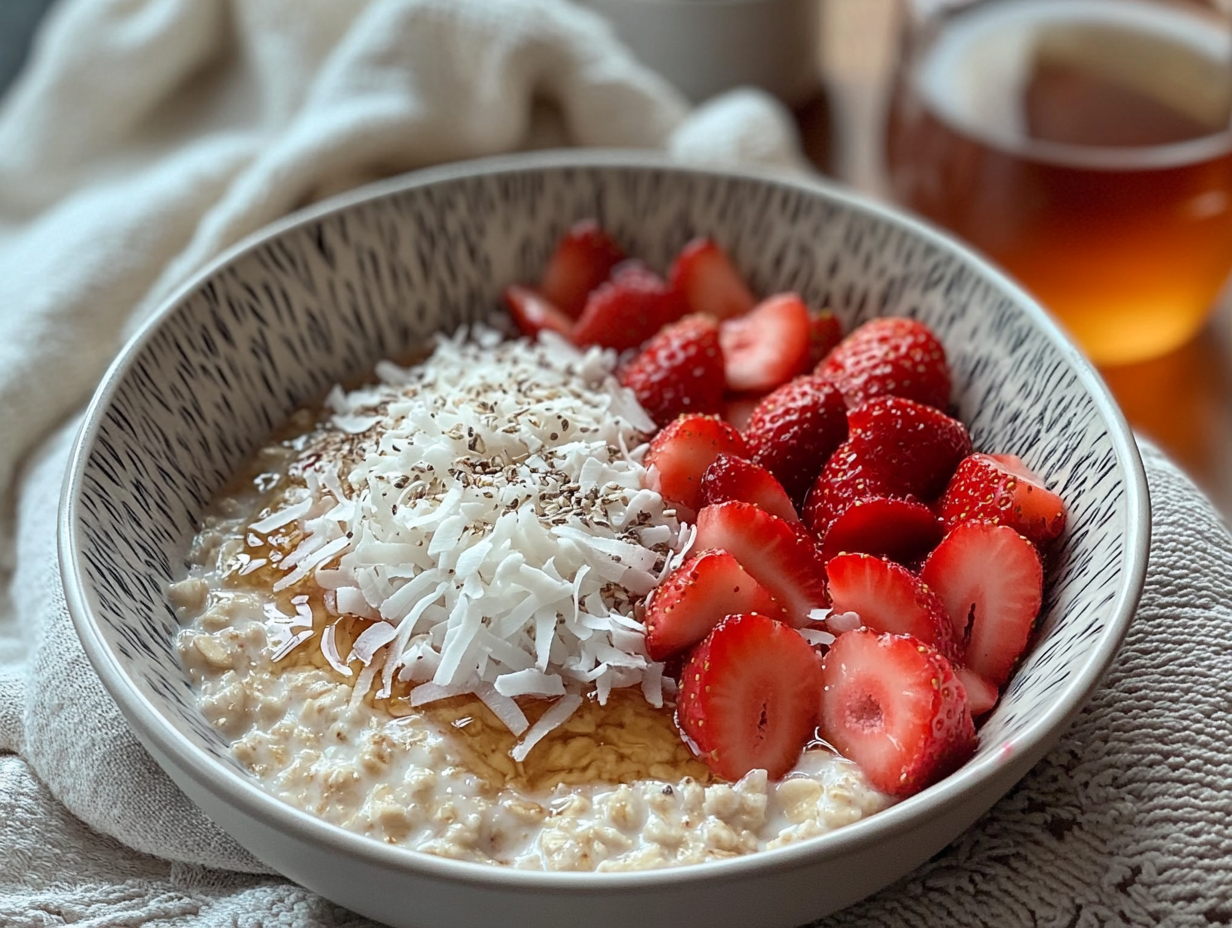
<point>704,47</point>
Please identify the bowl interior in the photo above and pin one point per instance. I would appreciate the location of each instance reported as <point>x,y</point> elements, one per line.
<point>324,296</point>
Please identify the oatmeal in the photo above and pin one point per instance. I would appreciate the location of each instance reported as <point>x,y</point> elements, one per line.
<point>416,617</point>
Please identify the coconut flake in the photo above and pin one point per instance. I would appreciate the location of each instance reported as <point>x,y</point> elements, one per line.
<point>329,647</point>
<point>559,713</point>
<point>504,708</point>
<point>371,640</point>
<point>492,514</point>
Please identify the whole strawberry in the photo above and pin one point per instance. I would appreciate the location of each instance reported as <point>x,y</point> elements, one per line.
<point>893,356</point>
<point>679,370</point>
<point>627,309</point>
<point>911,447</point>
<point>793,431</point>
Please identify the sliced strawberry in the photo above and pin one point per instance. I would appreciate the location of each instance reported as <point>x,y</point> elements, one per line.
<point>583,259</point>
<point>982,696</point>
<point>738,408</point>
<point>1000,488</point>
<point>902,530</point>
<point>825,332</point>
<point>680,454</point>
<point>913,447</point>
<point>992,583</point>
<point>678,371</point>
<point>780,555</point>
<point>704,275</point>
<point>735,478</point>
<point>695,596</point>
<point>628,309</point>
<point>844,480</point>
<point>748,697</point>
<point>889,598</point>
<point>795,429</point>
<point>895,356</point>
<point>894,706</point>
<point>767,346</point>
<point>533,312</point>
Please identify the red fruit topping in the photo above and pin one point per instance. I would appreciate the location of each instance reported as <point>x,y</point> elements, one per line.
<point>992,583</point>
<point>889,598</point>
<point>897,356</point>
<point>780,555</point>
<point>738,408</point>
<point>843,481</point>
<point>628,309</point>
<point>679,371</point>
<point>767,346</point>
<point>532,312</point>
<point>825,331</point>
<point>704,275</point>
<point>695,596</point>
<point>795,429</point>
<point>583,259</point>
<point>915,448</point>
<point>734,478</point>
<point>894,706</point>
<point>1000,488</point>
<point>902,530</point>
<point>680,453</point>
<point>982,696</point>
<point>748,697</point>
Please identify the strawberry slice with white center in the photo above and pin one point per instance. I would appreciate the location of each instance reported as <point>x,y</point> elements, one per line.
<point>694,597</point>
<point>583,259</point>
<point>894,706</point>
<point>780,555</point>
<point>748,696</point>
<point>704,275</point>
<point>902,530</point>
<point>767,346</point>
<point>991,582</point>
<point>533,312</point>
<point>889,598</point>
<point>680,454</point>
<point>1001,488</point>
<point>731,478</point>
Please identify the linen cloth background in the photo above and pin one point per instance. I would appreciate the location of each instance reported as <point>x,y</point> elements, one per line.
<point>148,135</point>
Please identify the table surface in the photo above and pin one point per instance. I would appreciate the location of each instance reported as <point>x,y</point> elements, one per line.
<point>1182,402</point>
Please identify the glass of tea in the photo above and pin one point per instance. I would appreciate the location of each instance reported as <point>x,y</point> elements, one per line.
<point>1083,145</point>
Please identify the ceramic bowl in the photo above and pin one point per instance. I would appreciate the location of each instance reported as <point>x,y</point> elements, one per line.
<point>324,294</point>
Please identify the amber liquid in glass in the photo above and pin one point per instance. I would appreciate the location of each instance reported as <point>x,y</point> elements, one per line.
<point>1084,146</point>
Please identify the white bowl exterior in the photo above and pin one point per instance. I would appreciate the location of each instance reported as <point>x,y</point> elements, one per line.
<point>325,295</point>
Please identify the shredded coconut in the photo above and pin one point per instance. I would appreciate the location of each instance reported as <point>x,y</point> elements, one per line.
<point>489,517</point>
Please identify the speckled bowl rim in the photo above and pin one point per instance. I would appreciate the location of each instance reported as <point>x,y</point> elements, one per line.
<point>246,795</point>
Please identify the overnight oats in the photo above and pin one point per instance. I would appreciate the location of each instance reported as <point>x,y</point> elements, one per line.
<point>534,602</point>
